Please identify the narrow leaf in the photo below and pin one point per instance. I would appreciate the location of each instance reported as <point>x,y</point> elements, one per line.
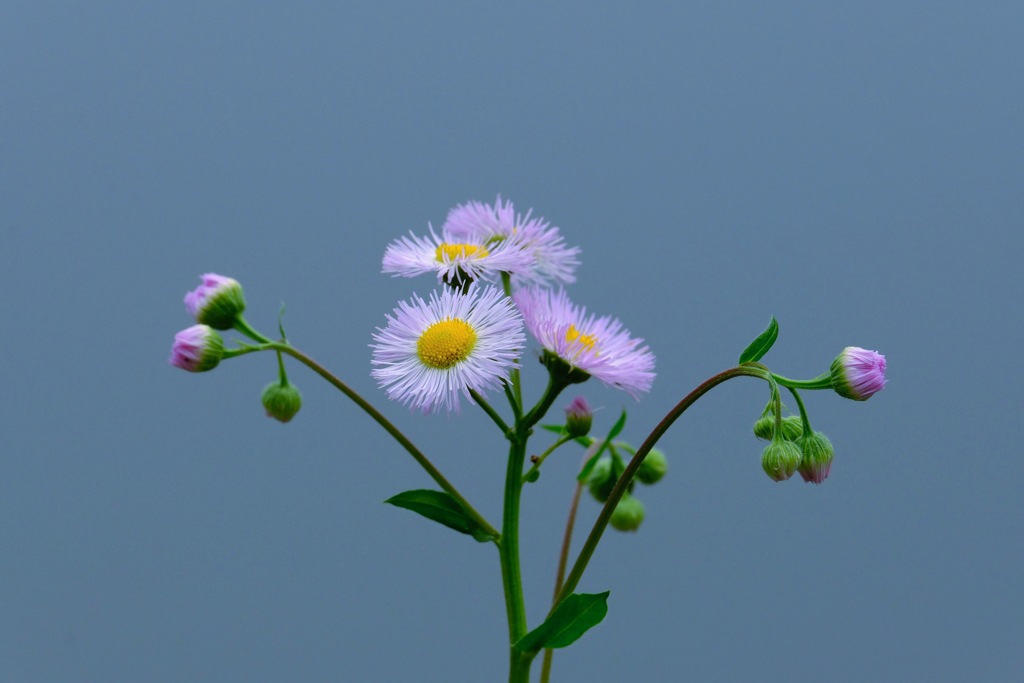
<point>760,346</point>
<point>573,617</point>
<point>592,461</point>
<point>441,508</point>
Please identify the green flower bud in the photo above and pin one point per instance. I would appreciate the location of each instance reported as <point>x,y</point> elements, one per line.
<point>281,401</point>
<point>602,480</point>
<point>780,459</point>
<point>578,417</point>
<point>628,514</point>
<point>792,427</point>
<point>653,468</point>
<point>817,457</point>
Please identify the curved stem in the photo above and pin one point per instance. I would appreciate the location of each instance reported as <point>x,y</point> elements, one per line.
<point>243,326</point>
<point>823,381</point>
<point>803,411</point>
<point>746,370</point>
<point>425,463</point>
<point>543,456</point>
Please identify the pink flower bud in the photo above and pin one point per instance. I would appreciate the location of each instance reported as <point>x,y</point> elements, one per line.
<point>197,349</point>
<point>858,373</point>
<point>216,302</point>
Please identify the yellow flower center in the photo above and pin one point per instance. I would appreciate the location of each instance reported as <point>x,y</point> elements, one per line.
<point>450,252</point>
<point>585,340</point>
<point>446,344</point>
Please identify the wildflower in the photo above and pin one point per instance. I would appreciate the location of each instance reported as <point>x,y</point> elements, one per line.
<point>549,259</point>
<point>216,302</point>
<point>197,349</point>
<point>598,347</point>
<point>429,352</point>
<point>858,373</point>
<point>454,258</point>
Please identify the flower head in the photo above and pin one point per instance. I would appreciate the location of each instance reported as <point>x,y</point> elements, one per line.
<point>578,417</point>
<point>600,347</point>
<point>817,453</point>
<point>281,401</point>
<point>548,258</point>
<point>216,302</point>
<point>430,351</point>
<point>858,373</point>
<point>197,349</point>
<point>454,258</point>
<point>780,459</point>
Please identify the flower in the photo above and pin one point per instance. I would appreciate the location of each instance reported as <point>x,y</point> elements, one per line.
<point>599,347</point>
<point>548,257</point>
<point>216,302</point>
<point>431,351</point>
<point>197,349</point>
<point>858,373</point>
<point>455,258</point>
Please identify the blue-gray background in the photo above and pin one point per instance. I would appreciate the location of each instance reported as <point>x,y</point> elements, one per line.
<point>853,168</point>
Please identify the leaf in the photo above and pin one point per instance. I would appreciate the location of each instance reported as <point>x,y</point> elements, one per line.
<point>573,617</point>
<point>592,461</point>
<point>760,346</point>
<point>441,508</point>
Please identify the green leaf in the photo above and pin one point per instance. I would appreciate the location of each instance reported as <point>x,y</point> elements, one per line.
<point>557,429</point>
<point>573,617</point>
<point>592,461</point>
<point>442,508</point>
<point>762,344</point>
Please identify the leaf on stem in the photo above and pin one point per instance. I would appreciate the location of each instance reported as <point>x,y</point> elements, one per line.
<point>441,508</point>
<point>760,346</point>
<point>592,461</point>
<point>573,617</point>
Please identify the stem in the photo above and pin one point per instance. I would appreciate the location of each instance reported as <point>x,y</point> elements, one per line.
<point>535,415</point>
<point>803,411</point>
<point>823,381</point>
<point>543,456</point>
<point>243,326</point>
<point>425,463</point>
<point>508,553</point>
<point>490,411</point>
<point>563,560</point>
<point>746,370</point>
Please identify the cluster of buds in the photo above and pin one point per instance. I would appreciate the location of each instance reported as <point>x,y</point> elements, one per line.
<point>856,374</point>
<point>629,512</point>
<point>218,304</point>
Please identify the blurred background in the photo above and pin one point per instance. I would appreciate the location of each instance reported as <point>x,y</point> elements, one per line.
<point>855,169</point>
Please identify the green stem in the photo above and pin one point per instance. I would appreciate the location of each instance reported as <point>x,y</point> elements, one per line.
<point>543,456</point>
<point>490,411</point>
<point>563,561</point>
<point>537,413</point>
<point>428,466</point>
<point>746,370</point>
<point>823,381</point>
<point>803,411</point>
<point>243,326</point>
<point>508,552</point>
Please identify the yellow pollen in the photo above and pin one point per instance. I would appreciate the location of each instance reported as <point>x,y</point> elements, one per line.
<point>450,252</point>
<point>446,344</point>
<point>585,340</point>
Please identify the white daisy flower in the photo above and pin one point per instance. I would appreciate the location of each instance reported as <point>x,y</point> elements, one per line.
<point>430,352</point>
<point>455,258</point>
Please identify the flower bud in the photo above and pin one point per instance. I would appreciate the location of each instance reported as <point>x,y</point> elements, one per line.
<point>602,480</point>
<point>792,427</point>
<point>578,417</point>
<point>653,468</point>
<point>858,373</point>
<point>817,457</point>
<point>281,401</point>
<point>780,459</point>
<point>628,514</point>
<point>216,302</point>
<point>197,349</point>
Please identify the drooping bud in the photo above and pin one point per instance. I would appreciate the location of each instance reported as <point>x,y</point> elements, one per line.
<point>216,302</point>
<point>792,427</point>
<point>197,349</point>
<point>578,417</point>
<point>858,373</point>
<point>653,468</point>
<point>602,480</point>
<point>281,401</point>
<point>780,459</point>
<point>628,514</point>
<point>817,454</point>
